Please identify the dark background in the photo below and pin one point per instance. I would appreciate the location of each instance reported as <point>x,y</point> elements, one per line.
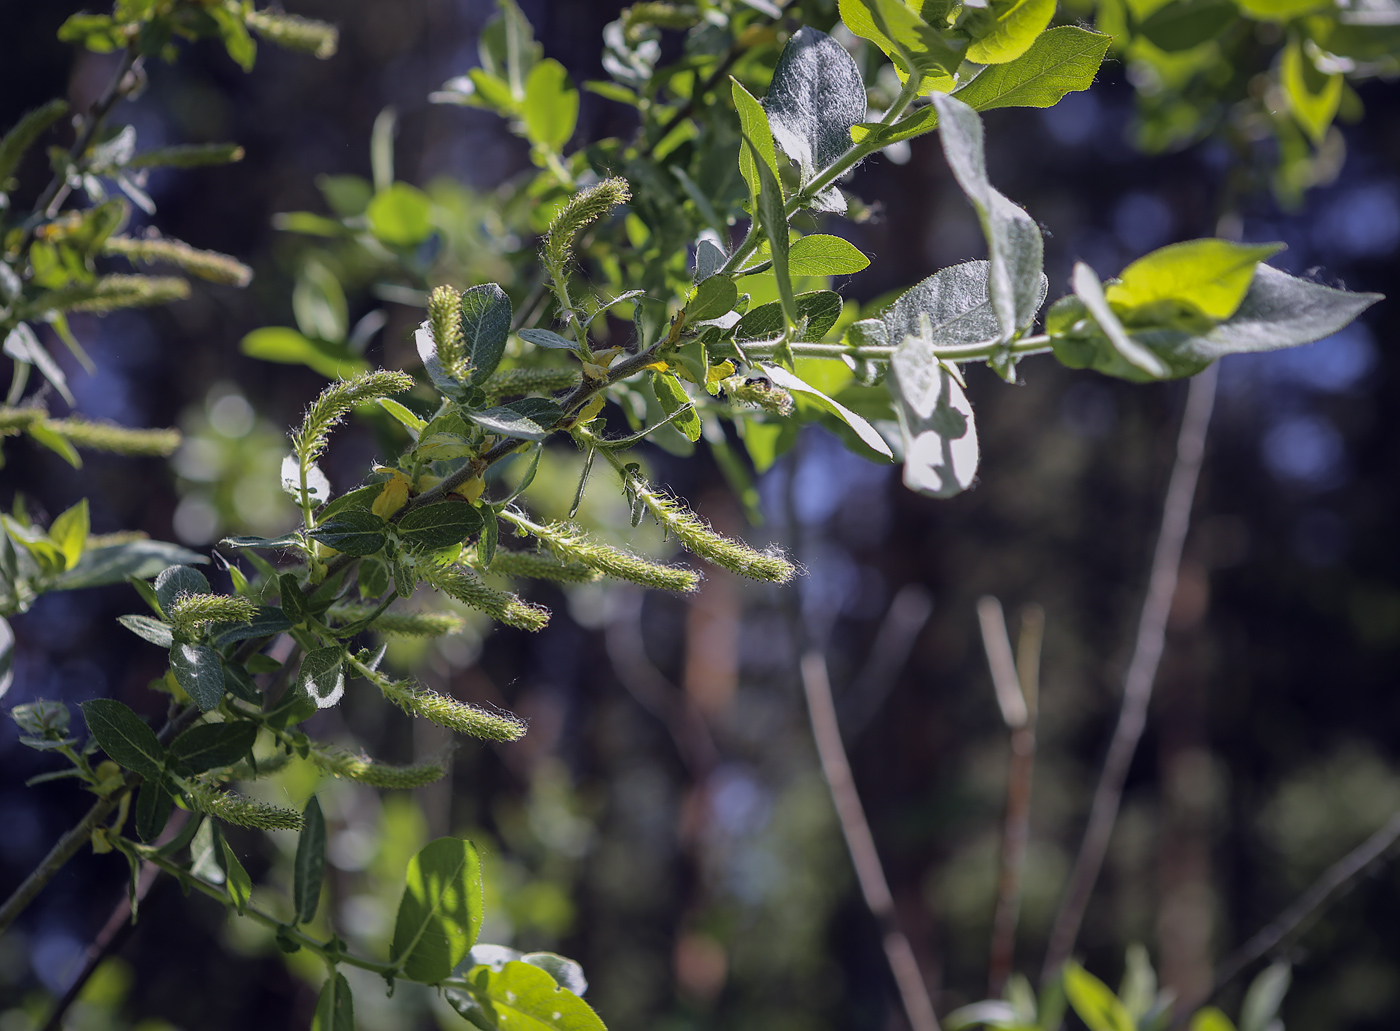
<point>721,896</point>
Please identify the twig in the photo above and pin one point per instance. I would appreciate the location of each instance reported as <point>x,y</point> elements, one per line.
<point>1338,876</point>
<point>1018,682</point>
<point>1142,670</point>
<point>904,620</point>
<point>871,875</point>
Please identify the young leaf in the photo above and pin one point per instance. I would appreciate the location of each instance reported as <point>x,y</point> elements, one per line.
<point>148,629</point>
<point>906,39</point>
<point>1187,23</point>
<point>521,995</point>
<point>1210,275</point>
<point>547,338</point>
<point>821,309</point>
<point>236,879</point>
<point>440,913</point>
<point>239,682</point>
<point>403,416</point>
<point>1006,29</point>
<point>822,255</point>
<point>69,531</point>
<point>714,297</point>
<point>1263,998</point>
<point>867,433</point>
<point>335,1007</point>
<point>551,105</point>
<point>352,532</point>
<point>310,866</point>
<point>817,94</point>
<point>434,527</point>
<point>935,421</point>
<point>179,580</point>
<point>200,672</point>
<point>127,741</point>
<point>773,217</point>
<point>210,746</point>
<point>923,120</point>
<point>153,806</point>
<point>673,398</point>
<point>1062,60</point>
<point>400,216</point>
<point>486,317</point>
<point>1092,1000</point>
<point>1313,96</point>
<point>1091,294</point>
<point>322,676</point>
<point>1014,246</point>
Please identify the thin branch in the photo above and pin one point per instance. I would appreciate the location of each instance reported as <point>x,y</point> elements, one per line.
<point>856,830</point>
<point>904,621</point>
<point>1339,876</point>
<point>1017,679</point>
<point>1142,670</point>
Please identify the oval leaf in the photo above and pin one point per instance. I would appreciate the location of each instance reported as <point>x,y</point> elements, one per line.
<point>310,864</point>
<point>199,671</point>
<point>1062,60</point>
<point>335,1008</point>
<point>434,527</point>
<point>817,94</point>
<point>212,745</point>
<point>322,676</point>
<point>486,317</point>
<point>521,995</point>
<point>352,532</point>
<point>823,255</point>
<point>935,421</point>
<point>440,914</point>
<point>127,741</point>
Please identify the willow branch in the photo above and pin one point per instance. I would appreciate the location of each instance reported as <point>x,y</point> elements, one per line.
<point>1142,670</point>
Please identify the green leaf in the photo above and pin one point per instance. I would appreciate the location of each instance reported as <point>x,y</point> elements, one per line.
<point>114,563</point>
<point>1091,294</point>
<point>673,398</point>
<point>322,676</point>
<point>936,424</point>
<point>69,531</point>
<point>288,347</point>
<point>954,300</point>
<point>434,527</point>
<point>127,740</point>
<point>178,580</point>
<point>1187,23</point>
<point>816,95</point>
<point>318,301</point>
<point>1313,97</point>
<point>440,914</point>
<point>55,442</point>
<point>292,599</point>
<point>407,419</point>
<point>821,309</point>
<point>400,216</point>
<point>238,681</point>
<point>1264,997</point>
<point>200,672</point>
<point>310,866</point>
<point>153,806</point>
<point>335,1007</point>
<point>353,532</point>
<point>754,127</point>
<point>551,105</point>
<point>867,433</point>
<point>237,41</point>
<point>486,318</point>
<point>1210,1019</point>
<point>149,629</point>
<point>510,421</point>
<point>1063,60</point>
<point>773,218</point>
<point>1212,276</point>
<point>906,39</point>
<point>1015,279</point>
<point>521,996</point>
<point>1092,1000</point>
<point>1007,29</point>
<point>236,880</point>
<point>267,622</point>
<point>714,297</point>
<point>822,255</point>
<point>210,746</point>
<point>547,338</point>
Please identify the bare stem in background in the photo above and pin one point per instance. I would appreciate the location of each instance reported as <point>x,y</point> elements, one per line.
<point>1339,876</point>
<point>1142,670</point>
<point>871,875</point>
<point>1017,684</point>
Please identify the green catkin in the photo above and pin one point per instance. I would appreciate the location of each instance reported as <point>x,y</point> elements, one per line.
<point>104,436</point>
<point>288,30</point>
<point>536,566</point>
<point>110,293</point>
<point>209,265</point>
<point>17,420</point>
<point>266,766</point>
<point>460,717</point>
<point>28,129</point>
<point>583,209</point>
<point>338,399</point>
<point>571,545</point>
<point>501,606</point>
<point>188,155</point>
<point>691,531</point>
<point>402,624</point>
<point>530,381</point>
<point>445,318</point>
<point>190,611</point>
<point>364,770</point>
<point>240,811</point>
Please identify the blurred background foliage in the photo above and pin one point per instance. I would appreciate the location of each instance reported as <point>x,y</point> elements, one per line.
<point>695,867</point>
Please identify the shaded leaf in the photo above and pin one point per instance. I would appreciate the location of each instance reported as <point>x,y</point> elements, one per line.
<point>352,532</point>
<point>486,316</point>
<point>148,629</point>
<point>212,745</point>
<point>177,580</point>
<point>434,527</point>
<point>153,807</point>
<point>200,672</point>
<point>310,864</point>
<point>335,1007</point>
<point>127,740</point>
<point>821,309</point>
<point>935,421</point>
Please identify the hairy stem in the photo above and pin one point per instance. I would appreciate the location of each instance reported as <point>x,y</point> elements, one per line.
<point>1142,670</point>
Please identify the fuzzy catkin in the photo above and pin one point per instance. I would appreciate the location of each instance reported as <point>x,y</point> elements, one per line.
<point>501,606</point>
<point>536,566</point>
<point>512,382</point>
<point>572,545</point>
<point>190,611</point>
<point>583,209</point>
<point>338,399</point>
<point>106,436</point>
<point>417,700</point>
<point>445,319</point>
<point>402,624</point>
<point>210,265</point>
<point>243,812</point>
<point>295,33</point>
<point>364,770</point>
